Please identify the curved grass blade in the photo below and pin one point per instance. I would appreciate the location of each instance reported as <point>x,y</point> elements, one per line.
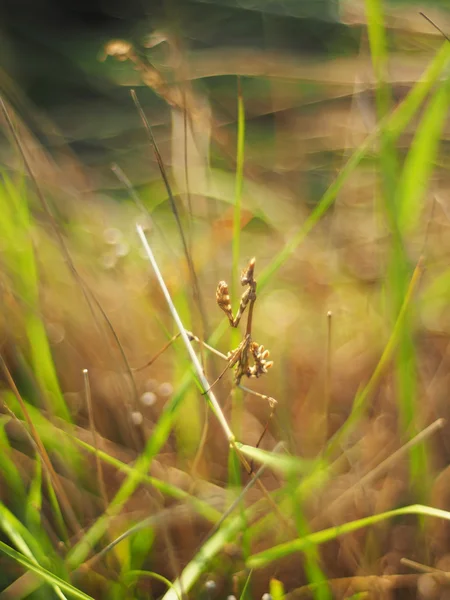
<point>137,573</point>
<point>203,508</point>
<point>364,394</point>
<point>243,595</point>
<point>287,465</point>
<point>420,160</point>
<point>43,573</point>
<point>266,557</point>
<point>19,256</point>
<point>25,542</point>
<point>200,563</point>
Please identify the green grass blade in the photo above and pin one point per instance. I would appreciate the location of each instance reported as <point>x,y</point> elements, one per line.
<point>203,508</point>
<point>56,510</point>
<point>20,536</point>
<point>245,589</point>
<point>287,465</point>
<point>378,53</point>
<point>25,541</point>
<point>47,576</point>
<point>200,563</point>
<point>403,114</point>
<point>420,161</point>
<point>59,444</point>
<point>188,423</point>
<point>266,557</point>
<point>10,473</point>
<point>18,253</point>
<point>404,207</point>
<point>34,501</point>
<point>363,395</point>
<point>276,589</point>
<point>316,576</point>
<point>160,434</point>
<point>138,573</point>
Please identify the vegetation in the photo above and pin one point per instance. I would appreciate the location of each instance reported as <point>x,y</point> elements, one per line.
<point>147,449</point>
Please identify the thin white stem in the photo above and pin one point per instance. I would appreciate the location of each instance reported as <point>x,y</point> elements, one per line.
<point>207,388</point>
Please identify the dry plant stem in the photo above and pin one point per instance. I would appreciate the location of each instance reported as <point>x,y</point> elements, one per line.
<point>121,176</point>
<point>378,585</point>
<point>435,26</point>
<point>398,454</point>
<point>198,368</point>
<point>185,150</point>
<point>127,184</point>
<point>88,396</point>
<point>158,354</point>
<point>86,291</point>
<point>425,568</point>
<point>192,272</point>
<point>381,468</point>
<point>327,390</point>
<point>63,499</point>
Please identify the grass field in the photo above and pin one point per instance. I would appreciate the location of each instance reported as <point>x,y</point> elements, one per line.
<point>124,473</point>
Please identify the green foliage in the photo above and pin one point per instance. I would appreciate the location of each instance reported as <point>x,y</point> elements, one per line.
<point>262,559</point>
<point>280,514</point>
<point>19,262</point>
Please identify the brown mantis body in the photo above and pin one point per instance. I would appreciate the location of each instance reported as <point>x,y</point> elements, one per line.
<point>249,359</point>
<point>240,358</point>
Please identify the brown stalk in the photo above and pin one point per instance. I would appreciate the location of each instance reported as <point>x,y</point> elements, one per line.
<point>101,479</point>
<point>159,160</point>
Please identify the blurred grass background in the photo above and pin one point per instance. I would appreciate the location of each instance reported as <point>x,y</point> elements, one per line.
<point>311,135</point>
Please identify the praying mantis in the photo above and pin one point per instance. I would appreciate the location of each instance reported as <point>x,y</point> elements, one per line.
<point>249,359</point>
